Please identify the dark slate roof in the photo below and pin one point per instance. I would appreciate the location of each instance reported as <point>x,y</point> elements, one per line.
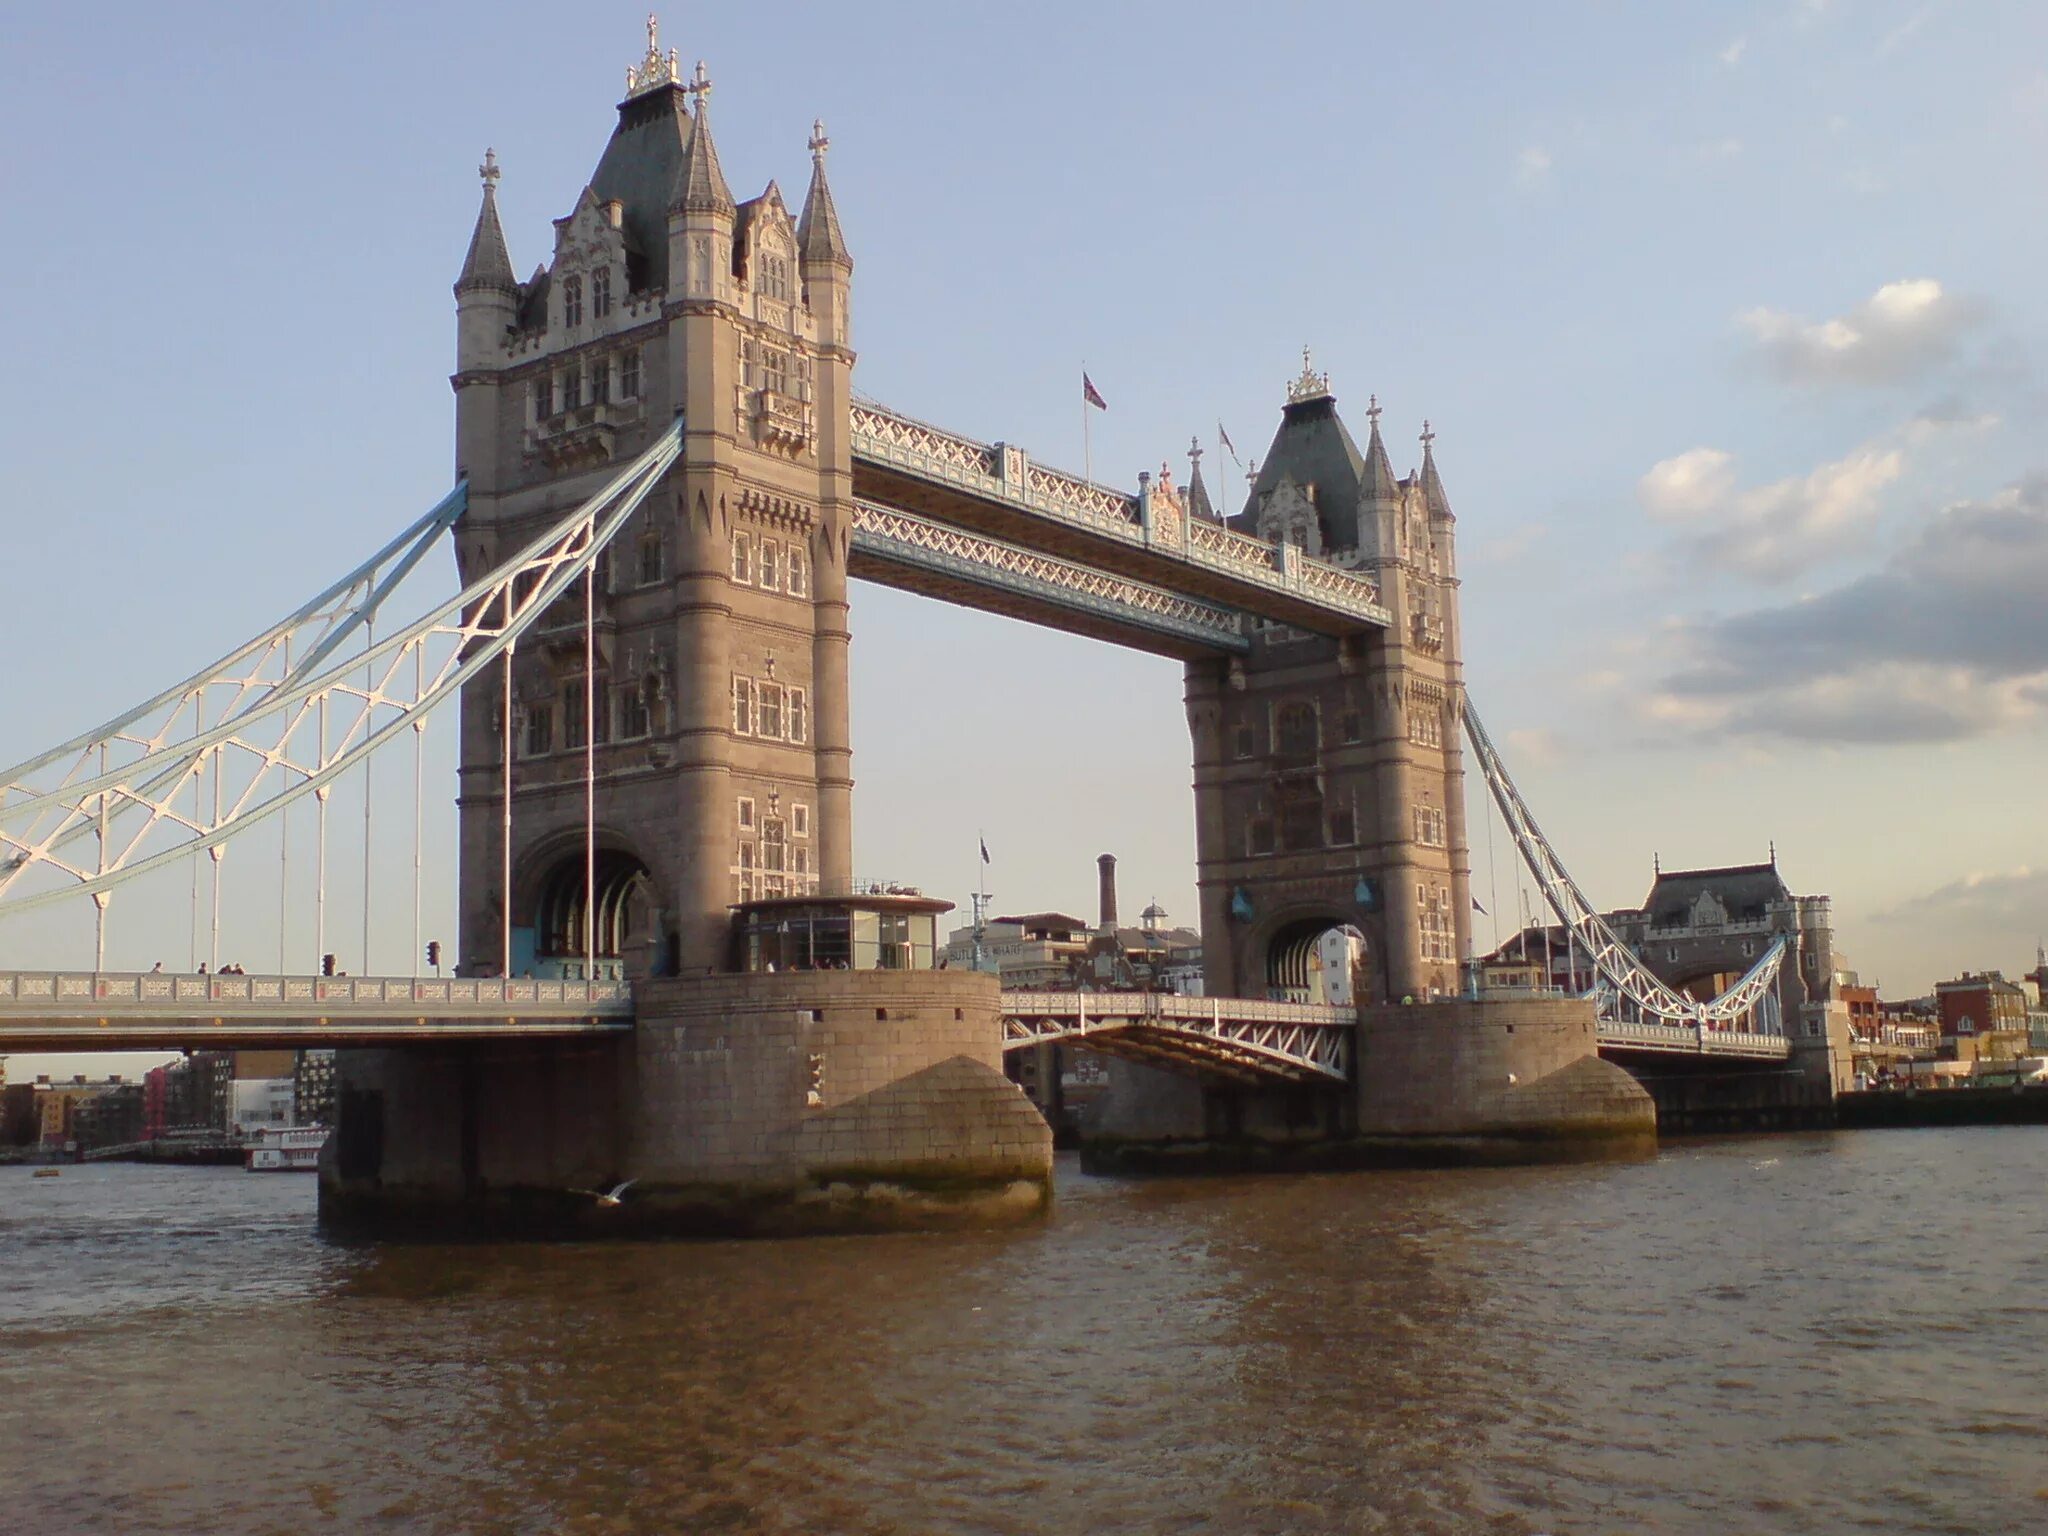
<point>1313,447</point>
<point>700,186</point>
<point>638,171</point>
<point>1433,487</point>
<point>1746,890</point>
<point>533,300</point>
<point>1197,498</point>
<point>488,264</point>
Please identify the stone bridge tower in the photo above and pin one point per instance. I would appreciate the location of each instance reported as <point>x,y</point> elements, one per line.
<point>718,698</point>
<point>1329,776</point>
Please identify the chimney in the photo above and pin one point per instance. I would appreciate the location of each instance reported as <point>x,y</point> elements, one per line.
<point>1106,898</point>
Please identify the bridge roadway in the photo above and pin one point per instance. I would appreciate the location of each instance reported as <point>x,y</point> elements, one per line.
<point>994,490</point>
<point>130,1011</point>
<point>1234,1037</point>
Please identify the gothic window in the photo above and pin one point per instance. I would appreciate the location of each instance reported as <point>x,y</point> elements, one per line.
<point>543,398</point>
<point>572,301</point>
<point>1352,727</point>
<point>1425,725</point>
<point>601,717</point>
<point>768,712</point>
<point>743,872</point>
<point>1343,831</point>
<point>650,553</point>
<point>775,277</point>
<point>799,576</point>
<point>634,718</point>
<point>775,370</point>
<point>1259,835</point>
<point>742,558</point>
<point>800,820</point>
<point>600,293</point>
<point>800,862</point>
<point>743,705</point>
<point>629,374</point>
<point>540,730</point>
<point>1244,744</point>
<point>799,718</point>
<point>1294,730</point>
<point>600,381</point>
<point>771,564</point>
<point>572,389</point>
<point>746,814</point>
<point>1429,826</point>
<point>572,714</point>
<point>774,845</point>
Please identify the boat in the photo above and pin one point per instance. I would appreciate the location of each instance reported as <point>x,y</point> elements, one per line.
<point>292,1149</point>
<point>48,1173</point>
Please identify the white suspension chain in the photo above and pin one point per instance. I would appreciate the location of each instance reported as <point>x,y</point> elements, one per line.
<point>376,694</point>
<point>1625,983</point>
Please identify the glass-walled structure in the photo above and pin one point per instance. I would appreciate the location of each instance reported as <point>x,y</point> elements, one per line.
<point>896,932</point>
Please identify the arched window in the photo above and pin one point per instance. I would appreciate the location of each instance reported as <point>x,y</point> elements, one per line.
<point>600,293</point>
<point>572,301</point>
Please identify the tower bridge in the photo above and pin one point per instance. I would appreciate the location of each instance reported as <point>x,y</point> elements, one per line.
<point>665,485</point>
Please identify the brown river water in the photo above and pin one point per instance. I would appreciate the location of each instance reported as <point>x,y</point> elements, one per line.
<point>1804,1333</point>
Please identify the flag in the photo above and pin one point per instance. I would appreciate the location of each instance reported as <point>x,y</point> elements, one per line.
<point>1224,438</point>
<point>1479,909</point>
<point>984,850</point>
<point>1090,394</point>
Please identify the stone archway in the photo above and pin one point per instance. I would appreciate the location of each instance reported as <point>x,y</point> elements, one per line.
<point>618,916</point>
<point>1320,958</point>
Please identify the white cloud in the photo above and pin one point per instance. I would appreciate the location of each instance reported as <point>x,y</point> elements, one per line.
<point>1947,641</point>
<point>1770,532</point>
<point>1902,331</point>
<point>1532,166</point>
<point>1732,54</point>
<point>1536,747</point>
<point>1720,149</point>
<point>1903,32</point>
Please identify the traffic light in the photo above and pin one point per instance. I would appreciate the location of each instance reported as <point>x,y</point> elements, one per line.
<point>327,965</point>
<point>434,954</point>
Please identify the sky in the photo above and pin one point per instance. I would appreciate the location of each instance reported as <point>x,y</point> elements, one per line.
<point>1727,318</point>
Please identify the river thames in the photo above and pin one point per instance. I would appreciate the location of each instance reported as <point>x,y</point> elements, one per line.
<point>1803,1333</point>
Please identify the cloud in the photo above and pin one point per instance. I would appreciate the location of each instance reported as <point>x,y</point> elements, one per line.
<point>1532,166</point>
<point>1719,149</point>
<point>1769,532</point>
<point>1537,747</point>
<point>2012,898</point>
<point>1947,641</point>
<point>1732,54</point>
<point>1901,332</point>
<point>1903,32</point>
<point>1518,544</point>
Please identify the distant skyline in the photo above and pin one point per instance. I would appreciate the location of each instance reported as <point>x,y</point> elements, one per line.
<point>1727,318</point>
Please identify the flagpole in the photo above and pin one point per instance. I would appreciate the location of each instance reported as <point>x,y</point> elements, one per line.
<point>1087,452</point>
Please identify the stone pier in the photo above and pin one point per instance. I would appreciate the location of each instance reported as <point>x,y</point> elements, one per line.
<point>745,1104</point>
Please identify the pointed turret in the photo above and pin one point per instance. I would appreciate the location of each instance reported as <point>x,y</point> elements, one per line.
<point>1432,487</point>
<point>1377,484</point>
<point>1197,497</point>
<point>488,266</point>
<point>818,238</point>
<point>700,182</point>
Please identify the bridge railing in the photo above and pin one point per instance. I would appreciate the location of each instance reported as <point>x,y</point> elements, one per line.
<point>1693,1038</point>
<point>144,990</point>
<point>1174,1006</point>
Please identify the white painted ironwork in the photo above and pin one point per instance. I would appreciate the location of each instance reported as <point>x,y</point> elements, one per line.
<point>272,742</point>
<point>906,539</point>
<point>1630,992</point>
<point>1237,1036</point>
<point>1004,474</point>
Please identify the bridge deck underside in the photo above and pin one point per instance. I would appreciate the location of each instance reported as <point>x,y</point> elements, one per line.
<point>1123,550</point>
<point>1242,1040</point>
<point>915,554</point>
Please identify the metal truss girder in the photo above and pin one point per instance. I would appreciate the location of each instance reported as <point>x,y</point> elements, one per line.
<point>1629,983</point>
<point>1302,590</point>
<point>1300,1042</point>
<point>261,735</point>
<point>919,543</point>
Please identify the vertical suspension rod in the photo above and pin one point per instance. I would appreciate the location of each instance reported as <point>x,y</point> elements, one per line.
<point>505,824</point>
<point>590,766</point>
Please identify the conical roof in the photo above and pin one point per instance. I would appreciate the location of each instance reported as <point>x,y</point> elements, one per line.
<point>818,237</point>
<point>1314,448</point>
<point>1198,501</point>
<point>700,182</point>
<point>1380,482</point>
<point>488,266</point>
<point>1433,487</point>
<point>638,171</point>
